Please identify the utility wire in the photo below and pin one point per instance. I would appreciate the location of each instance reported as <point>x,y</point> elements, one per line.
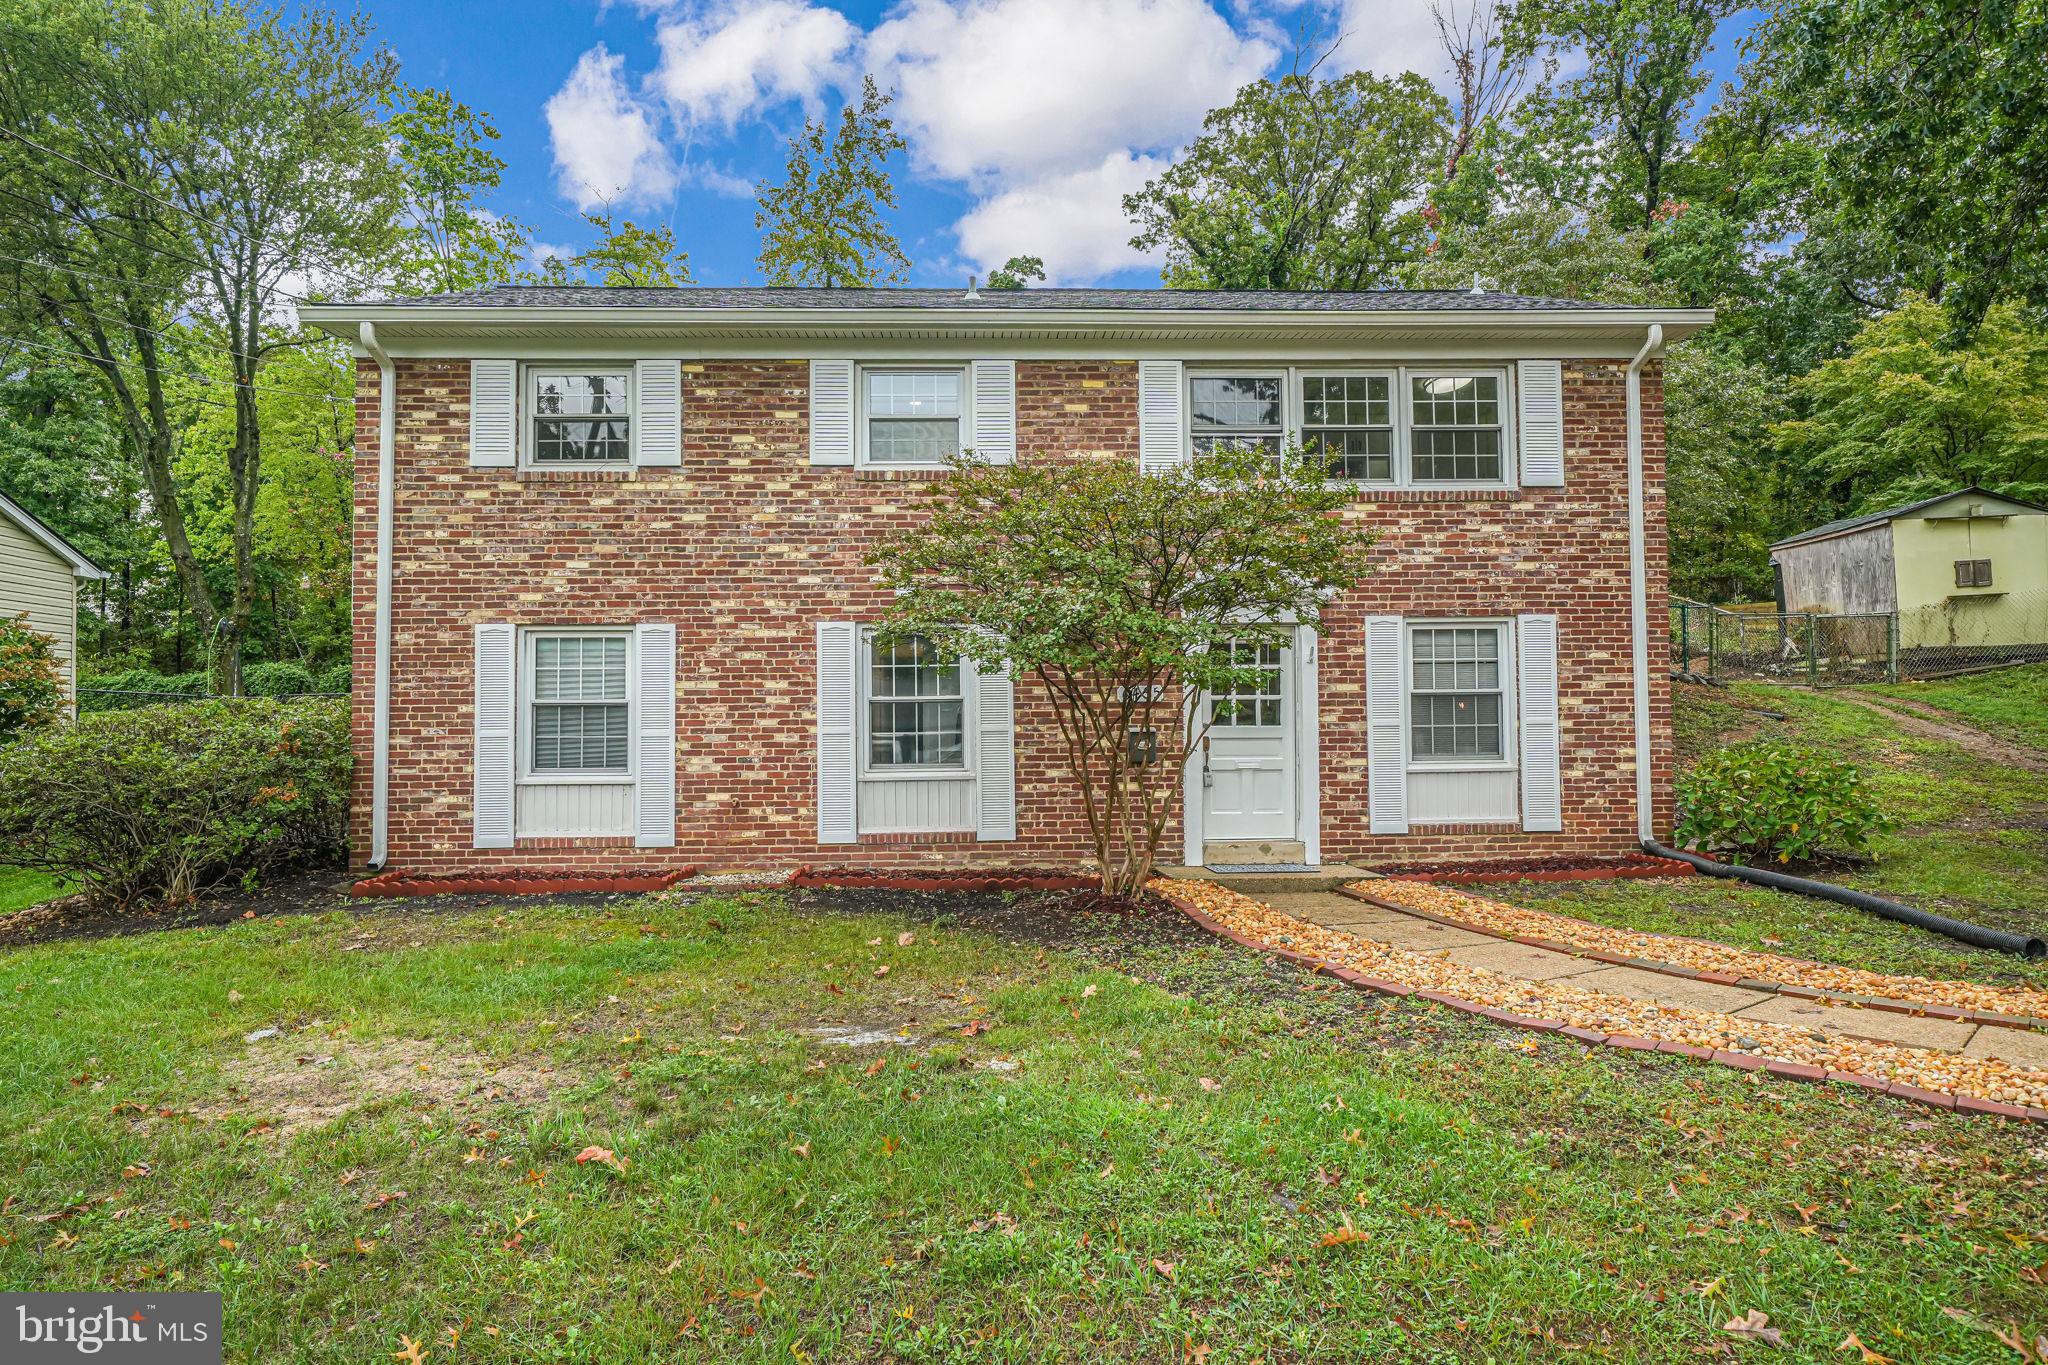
<point>193,375</point>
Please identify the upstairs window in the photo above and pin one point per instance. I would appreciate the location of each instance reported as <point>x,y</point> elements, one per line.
<point>1349,420</point>
<point>1457,696</point>
<point>1454,428</point>
<point>576,685</point>
<point>917,713</point>
<point>580,416</point>
<point>1973,573</point>
<point>912,416</point>
<point>1236,410</point>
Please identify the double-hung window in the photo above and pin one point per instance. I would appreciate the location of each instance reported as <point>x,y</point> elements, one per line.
<point>917,710</point>
<point>579,415</point>
<point>1237,410</point>
<point>1457,700</point>
<point>577,708</point>
<point>912,416</point>
<point>1348,419</point>
<point>1455,431</point>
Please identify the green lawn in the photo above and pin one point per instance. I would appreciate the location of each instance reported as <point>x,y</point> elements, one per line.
<point>1972,843</point>
<point>782,1199</point>
<point>2011,702</point>
<point>21,888</point>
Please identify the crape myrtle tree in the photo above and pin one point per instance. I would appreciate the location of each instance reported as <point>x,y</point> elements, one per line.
<point>1122,593</point>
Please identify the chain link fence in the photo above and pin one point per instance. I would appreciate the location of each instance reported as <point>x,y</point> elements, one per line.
<point>1962,634</point>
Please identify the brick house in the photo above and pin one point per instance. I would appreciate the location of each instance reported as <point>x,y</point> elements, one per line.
<point>610,590</point>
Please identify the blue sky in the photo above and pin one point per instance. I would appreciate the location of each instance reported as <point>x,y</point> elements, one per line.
<point>1027,119</point>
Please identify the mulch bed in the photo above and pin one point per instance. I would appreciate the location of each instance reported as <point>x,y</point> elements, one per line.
<point>516,883</point>
<point>911,879</point>
<point>1559,868</point>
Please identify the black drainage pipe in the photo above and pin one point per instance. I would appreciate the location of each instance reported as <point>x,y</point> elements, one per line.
<point>1976,935</point>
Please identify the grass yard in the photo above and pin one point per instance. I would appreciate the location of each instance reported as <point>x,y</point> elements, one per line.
<point>1159,1144</point>
<point>1972,843</point>
<point>2011,702</point>
<point>21,888</point>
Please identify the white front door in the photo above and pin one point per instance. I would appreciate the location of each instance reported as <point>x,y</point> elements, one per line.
<point>1248,792</point>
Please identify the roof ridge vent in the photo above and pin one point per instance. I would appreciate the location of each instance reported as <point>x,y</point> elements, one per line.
<point>1475,283</point>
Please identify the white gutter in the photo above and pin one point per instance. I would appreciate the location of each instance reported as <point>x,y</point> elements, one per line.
<point>1638,583</point>
<point>380,676</point>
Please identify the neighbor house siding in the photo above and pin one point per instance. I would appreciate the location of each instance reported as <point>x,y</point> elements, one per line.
<point>746,546</point>
<point>34,579</point>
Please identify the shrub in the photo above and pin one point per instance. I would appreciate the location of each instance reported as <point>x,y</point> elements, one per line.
<point>277,680</point>
<point>336,680</point>
<point>31,679</point>
<point>1773,802</point>
<point>151,805</point>
<point>136,687</point>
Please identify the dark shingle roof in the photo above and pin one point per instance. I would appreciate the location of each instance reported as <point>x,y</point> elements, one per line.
<point>1894,513</point>
<point>1164,300</point>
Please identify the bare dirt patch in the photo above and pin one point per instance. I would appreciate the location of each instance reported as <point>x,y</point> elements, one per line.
<point>1930,722</point>
<point>303,1080</point>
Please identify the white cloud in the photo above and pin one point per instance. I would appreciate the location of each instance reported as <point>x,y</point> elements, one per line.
<point>1388,37</point>
<point>720,65</point>
<point>1074,220</point>
<point>607,146</point>
<point>996,90</point>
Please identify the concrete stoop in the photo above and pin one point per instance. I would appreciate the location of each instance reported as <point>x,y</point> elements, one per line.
<point>1328,877</point>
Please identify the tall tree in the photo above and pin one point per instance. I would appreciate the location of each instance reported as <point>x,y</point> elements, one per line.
<point>1299,183</point>
<point>1611,132</point>
<point>450,241</point>
<point>1932,119</point>
<point>623,254</point>
<point>823,224</point>
<point>1017,273</point>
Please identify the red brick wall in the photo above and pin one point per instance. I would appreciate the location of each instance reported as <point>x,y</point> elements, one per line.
<point>747,545</point>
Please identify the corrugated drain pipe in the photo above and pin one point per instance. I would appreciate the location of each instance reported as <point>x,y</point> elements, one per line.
<point>1976,935</point>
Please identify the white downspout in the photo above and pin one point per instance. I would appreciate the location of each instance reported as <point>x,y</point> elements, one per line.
<point>1638,583</point>
<point>380,675</point>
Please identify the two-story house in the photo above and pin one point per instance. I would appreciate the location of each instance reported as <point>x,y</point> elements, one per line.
<point>610,592</point>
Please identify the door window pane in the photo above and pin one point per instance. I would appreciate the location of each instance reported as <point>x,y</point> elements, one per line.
<point>1259,704</point>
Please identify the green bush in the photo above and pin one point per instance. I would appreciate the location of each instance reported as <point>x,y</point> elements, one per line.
<point>1771,802</point>
<point>136,687</point>
<point>277,680</point>
<point>335,680</point>
<point>31,679</point>
<point>151,805</point>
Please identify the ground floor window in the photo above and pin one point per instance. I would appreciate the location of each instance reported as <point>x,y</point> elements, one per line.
<point>1259,704</point>
<point>1457,694</point>
<point>917,711</point>
<point>576,702</point>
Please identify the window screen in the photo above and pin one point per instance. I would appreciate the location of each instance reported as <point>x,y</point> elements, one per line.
<point>578,696</point>
<point>1456,701</point>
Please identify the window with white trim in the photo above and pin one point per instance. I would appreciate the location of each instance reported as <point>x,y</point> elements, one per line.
<point>1349,420</point>
<point>1457,699</point>
<point>579,415</point>
<point>1455,431</point>
<point>1258,704</point>
<point>912,417</point>
<point>578,715</point>
<point>917,709</point>
<point>1247,410</point>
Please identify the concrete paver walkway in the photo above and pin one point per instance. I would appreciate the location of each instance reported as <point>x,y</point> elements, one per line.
<point>2022,1047</point>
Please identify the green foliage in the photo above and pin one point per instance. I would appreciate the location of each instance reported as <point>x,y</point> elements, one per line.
<point>1726,497</point>
<point>1772,801</point>
<point>31,679</point>
<point>1298,183</point>
<point>450,241</point>
<point>1545,250</point>
<point>1933,122</point>
<point>124,688</point>
<point>823,224</point>
<point>336,680</point>
<point>624,254</point>
<point>1114,589</point>
<point>1906,413</point>
<point>149,806</point>
<point>1017,273</point>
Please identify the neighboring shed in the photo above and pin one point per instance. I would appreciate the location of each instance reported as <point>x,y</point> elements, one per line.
<point>39,574</point>
<point>1965,569</point>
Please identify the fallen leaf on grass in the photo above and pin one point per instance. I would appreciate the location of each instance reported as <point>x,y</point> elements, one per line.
<point>802,1149</point>
<point>1345,1233</point>
<point>882,970</point>
<point>412,1354</point>
<point>604,1156</point>
<point>974,1028</point>
<point>1756,1326</point>
<point>388,1197</point>
<point>1870,1357</point>
<point>905,939</point>
<point>135,1172</point>
<point>1208,1083</point>
<point>890,1145</point>
<point>1165,1268</point>
<point>1088,991</point>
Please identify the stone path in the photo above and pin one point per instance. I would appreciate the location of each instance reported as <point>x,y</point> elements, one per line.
<point>2021,1047</point>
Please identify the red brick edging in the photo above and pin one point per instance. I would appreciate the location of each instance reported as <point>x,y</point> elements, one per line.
<point>1629,865</point>
<point>859,878</point>
<point>407,884</point>
<point>1742,1061</point>
<point>1884,1004</point>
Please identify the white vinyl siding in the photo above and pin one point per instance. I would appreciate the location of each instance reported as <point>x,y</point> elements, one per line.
<point>36,580</point>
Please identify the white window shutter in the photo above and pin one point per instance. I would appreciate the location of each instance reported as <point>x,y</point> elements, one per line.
<point>1536,672</point>
<point>497,663</point>
<point>1162,437</point>
<point>654,755</point>
<point>995,411</point>
<point>838,671</point>
<point>995,758</point>
<point>831,412</point>
<point>493,413</point>
<point>658,413</point>
<point>1386,796</point>
<point>1541,422</point>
